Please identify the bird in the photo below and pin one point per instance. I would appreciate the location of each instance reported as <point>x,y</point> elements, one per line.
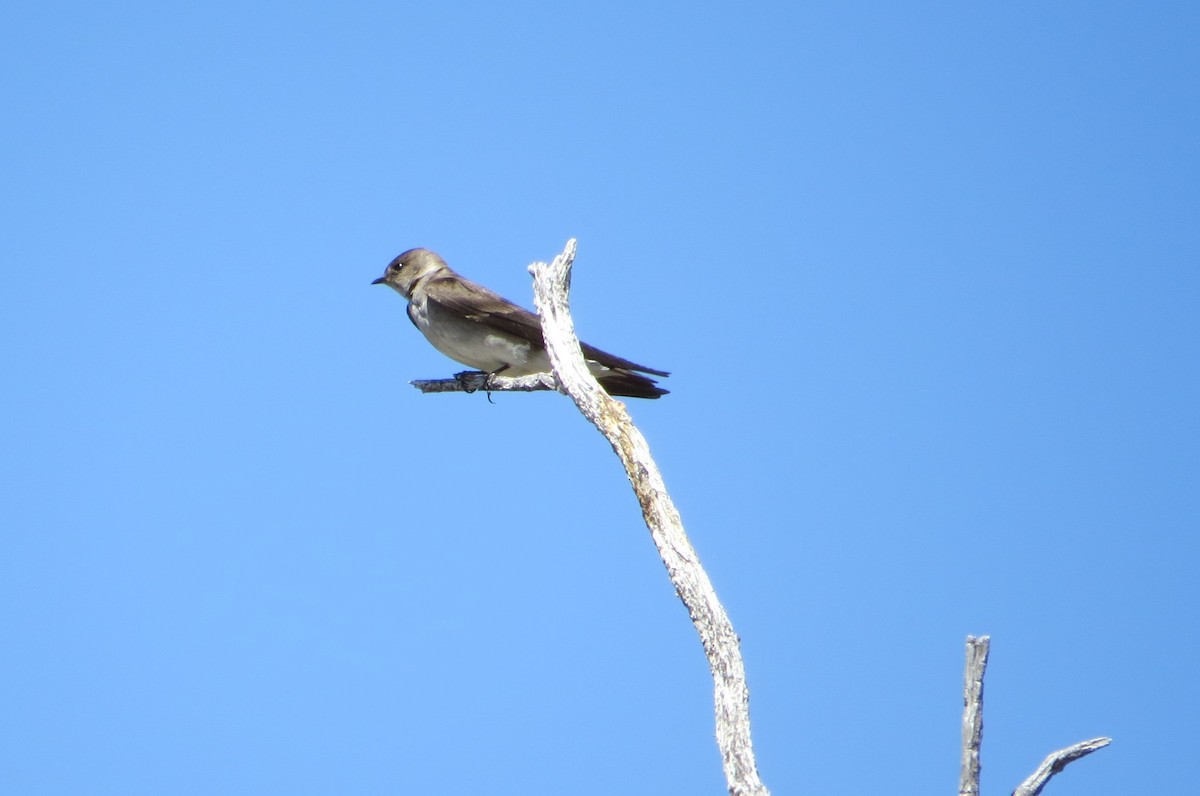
<point>483,330</point>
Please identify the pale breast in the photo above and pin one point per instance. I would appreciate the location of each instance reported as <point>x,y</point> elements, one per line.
<point>475,344</point>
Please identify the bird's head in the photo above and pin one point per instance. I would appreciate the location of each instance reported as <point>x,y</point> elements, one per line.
<point>403,272</point>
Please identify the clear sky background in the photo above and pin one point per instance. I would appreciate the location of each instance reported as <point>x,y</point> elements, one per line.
<point>928,279</point>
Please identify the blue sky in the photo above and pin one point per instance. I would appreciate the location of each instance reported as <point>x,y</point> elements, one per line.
<point>927,278</point>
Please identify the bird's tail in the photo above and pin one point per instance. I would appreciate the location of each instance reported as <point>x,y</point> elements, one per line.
<point>630,385</point>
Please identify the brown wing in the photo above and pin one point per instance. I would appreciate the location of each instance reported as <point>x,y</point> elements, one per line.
<point>476,302</point>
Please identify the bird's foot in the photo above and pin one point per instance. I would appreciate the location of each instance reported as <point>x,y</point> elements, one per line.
<point>473,380</point>
<point>488,382</point>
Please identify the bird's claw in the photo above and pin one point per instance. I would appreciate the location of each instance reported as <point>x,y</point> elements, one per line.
<point>473,380</point>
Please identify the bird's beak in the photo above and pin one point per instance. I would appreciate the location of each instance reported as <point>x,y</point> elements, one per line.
<point>379,281</point>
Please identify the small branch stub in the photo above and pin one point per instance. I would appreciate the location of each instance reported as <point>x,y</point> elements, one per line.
<point>972,722</point>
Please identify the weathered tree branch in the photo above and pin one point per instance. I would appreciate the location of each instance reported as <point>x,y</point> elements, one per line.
<point>1055,763</point>
<point>721,645</point>
<point>474,380</point>
<point>972,722</point>
<point>972,732</point>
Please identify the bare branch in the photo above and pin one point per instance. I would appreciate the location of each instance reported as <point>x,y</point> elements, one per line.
<point>1055,763</point>
<point>972,721</point>
<point>551,287</point>
<point>474,380</point>
<point>972,732</point>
